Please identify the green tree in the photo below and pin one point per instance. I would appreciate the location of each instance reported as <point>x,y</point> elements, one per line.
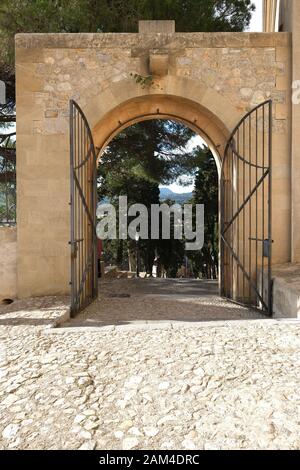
<point>134,164</point>
<point>153,150</point>
<point>205,262</point>
<point>170,252</point>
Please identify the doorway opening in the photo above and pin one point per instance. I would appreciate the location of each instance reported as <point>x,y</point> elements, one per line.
<point>244,173</point>
<point>161,162</point>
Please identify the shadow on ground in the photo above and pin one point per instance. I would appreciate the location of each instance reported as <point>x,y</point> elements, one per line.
<point>38,311</point>
<point>138,301</point>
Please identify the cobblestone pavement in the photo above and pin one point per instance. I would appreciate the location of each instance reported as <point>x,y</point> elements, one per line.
<point>139,301</point>
<point>169,385</point>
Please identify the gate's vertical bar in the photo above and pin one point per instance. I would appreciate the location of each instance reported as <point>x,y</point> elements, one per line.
<point>270,297</point>
<point>238,205</point>
<point>244,213</point>
<point>222,192</point>
<point>78,208</point>
<point>72,241</point>
<point>82,213</point>
<point>256,200</point>
<point>6,190</point>
<point>232,155</point>
<point>250,209</point>
<point>222,225</point>
<point>94,196</point>
<point>84,218</point>
<point>263,206</point>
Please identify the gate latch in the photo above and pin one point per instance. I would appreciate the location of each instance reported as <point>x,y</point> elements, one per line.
<point>266,248</point>
<point>74,249</point>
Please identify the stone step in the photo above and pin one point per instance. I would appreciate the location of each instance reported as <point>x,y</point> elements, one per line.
<point>286,291</point>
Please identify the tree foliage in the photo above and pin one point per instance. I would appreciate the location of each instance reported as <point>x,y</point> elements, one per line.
<point>205,262</point>
<point>135,163</point>
<point>154,150</point>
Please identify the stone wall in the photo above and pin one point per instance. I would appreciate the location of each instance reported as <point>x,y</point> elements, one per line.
<point>212,81</point>
<point>8,263</point>
<point>290,20</point>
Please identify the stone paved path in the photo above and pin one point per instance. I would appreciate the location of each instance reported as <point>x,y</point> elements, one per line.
<point>168,385</point>
<point>159,300</point>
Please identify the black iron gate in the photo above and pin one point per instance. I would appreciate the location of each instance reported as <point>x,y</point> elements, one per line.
<point>246,232</point>
<point>84,276</point>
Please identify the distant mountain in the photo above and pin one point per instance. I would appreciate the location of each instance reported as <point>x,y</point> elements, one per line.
<point>166,193</point>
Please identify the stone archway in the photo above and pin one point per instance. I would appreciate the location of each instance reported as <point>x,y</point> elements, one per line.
<point>180,109</point>
<point>211,81</point>
<point>203,109</point>
<point>148,107</point>
<point>200,119</point>
<point>237,164</point>
<point>83,170</point>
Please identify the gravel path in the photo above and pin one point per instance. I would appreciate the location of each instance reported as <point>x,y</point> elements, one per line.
<point>146,385</point>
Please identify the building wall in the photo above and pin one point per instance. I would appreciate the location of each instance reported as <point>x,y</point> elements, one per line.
<point>217,76</point>
<point>8,263</point>
<point>286,15</point>
<point>270,16</point>
<point>290,21</point>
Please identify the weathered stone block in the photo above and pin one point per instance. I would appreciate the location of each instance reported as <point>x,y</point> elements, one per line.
<point>51,113</point>
<point>158,26</point>
<point>8,263</point>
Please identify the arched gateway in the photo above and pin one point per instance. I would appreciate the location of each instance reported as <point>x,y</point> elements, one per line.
<point>244,163</point>
<point>222,85</point>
